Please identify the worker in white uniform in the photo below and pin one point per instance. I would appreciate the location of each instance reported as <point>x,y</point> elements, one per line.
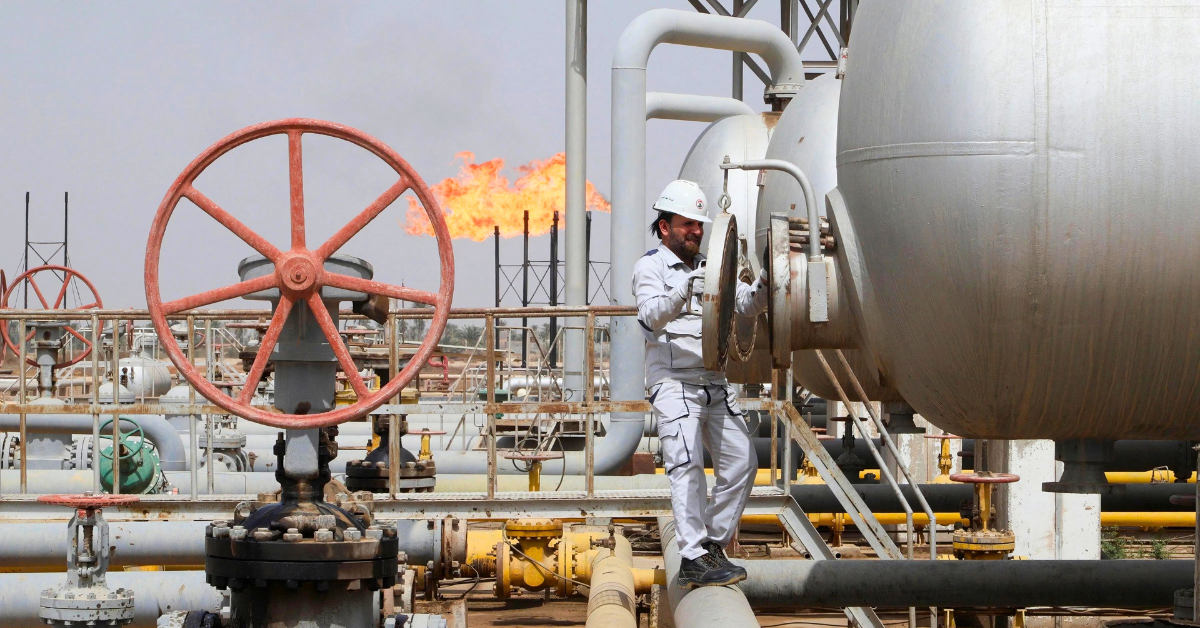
<point>693,405</point>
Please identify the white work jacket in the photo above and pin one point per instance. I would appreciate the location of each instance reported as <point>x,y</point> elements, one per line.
<point>672,331</point>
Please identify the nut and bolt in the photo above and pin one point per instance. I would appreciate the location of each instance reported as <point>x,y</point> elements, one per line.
<point>220,529</point>
<point>352,534</point>
<point>375,532</point>
<point>263,534</point>
<point>326,521</point>
<point>291,536</point>
<point>323,535</point>
<point>237,533</point>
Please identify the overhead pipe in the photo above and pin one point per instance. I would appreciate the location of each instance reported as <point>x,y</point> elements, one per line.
<point>964,583</point>
<point>172,454</point>
<point>693,108</point>
<point>154,593</point>
<point>703,607</point>
<point>628,155</point>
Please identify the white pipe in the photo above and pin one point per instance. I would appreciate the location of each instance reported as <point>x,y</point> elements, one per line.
<point>693,108</point>
<point>154,593</point>
<point>575,250</point>
<point>629,212</point>
<point>702,607</point>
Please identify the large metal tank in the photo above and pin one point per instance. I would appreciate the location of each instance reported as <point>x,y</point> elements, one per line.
<point>806,135</point>
<point>741,138</point>
<point>1021,194</point>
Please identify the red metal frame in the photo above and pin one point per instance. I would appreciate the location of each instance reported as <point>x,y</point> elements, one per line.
<point>299,272</point>
<point>69,274</point>
<point>985,478</point>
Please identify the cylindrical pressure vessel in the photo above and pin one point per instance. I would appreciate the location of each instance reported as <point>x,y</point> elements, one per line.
<point>1020,222</point>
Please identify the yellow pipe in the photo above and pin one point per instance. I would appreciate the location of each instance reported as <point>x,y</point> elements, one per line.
<point>761,478</point>
<point>1149,519</point>
<point>1144,477</point>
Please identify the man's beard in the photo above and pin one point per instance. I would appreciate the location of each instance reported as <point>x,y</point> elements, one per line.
<point>690,248</point>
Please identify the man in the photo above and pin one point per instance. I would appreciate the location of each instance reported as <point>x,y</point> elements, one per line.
<point>693,405</point>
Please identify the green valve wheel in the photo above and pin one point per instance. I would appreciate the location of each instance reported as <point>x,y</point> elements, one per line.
<point>139,464</point>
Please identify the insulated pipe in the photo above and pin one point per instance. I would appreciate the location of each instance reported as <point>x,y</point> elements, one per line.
<point>693,108</point>
<point>574,368</point>
<point>612,597</point>
<point>154,593</point>
<point>31,547</point>
<point>662,26</point>
<point>964,583</point>
<point>703,607</point>
<point>172,455</point>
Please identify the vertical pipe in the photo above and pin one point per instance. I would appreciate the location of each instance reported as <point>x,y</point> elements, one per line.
<point>496,237</point>
<point>489,328</point>
<point>554,291</point>
<point>66,222</point>
<point>587,254</point>
<point>1196,548</point>
<point>578,219</point>
<point>21,368</point>
<point>192,449</point>
<point>525,292</point>
<point>738,64</point>
<point>393,445</point>
<point>25,291</point>
<point>114,370</point>
<point>208,419</point>
<point>589,396</point>
<point>95,402</point>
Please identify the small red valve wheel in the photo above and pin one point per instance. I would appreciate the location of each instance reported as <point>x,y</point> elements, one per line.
<point>68,275</point>
<point>299,272</point>
<point>87,500</point>
<point>985,477</point>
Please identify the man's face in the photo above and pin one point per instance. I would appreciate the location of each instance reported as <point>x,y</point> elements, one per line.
<point>682,235</point>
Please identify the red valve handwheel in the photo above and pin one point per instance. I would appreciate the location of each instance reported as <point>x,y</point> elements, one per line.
<point>87,501</point>
<point>299,272</point>
<point>60,302</point>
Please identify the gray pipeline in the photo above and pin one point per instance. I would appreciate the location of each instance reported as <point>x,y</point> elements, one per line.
<point>154,593</point>
<point>628,178</point>
<point>42,547</point>
<point>171,450</point>
<point>791,584</point>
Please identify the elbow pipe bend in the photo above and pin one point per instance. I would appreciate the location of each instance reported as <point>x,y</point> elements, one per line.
<point>671,26</point>
<point>171,451</point>
<point>693,108</point>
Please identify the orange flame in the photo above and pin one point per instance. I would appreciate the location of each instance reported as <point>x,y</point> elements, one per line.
<point>479,199</point>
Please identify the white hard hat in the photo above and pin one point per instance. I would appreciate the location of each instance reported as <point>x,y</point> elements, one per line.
<point>684,198</point>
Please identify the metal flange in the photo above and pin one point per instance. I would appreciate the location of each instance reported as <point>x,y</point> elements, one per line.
<point>779,268</point>
<point>720,292</point>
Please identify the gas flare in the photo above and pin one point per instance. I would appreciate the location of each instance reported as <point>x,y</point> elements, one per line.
<point>480,198</point>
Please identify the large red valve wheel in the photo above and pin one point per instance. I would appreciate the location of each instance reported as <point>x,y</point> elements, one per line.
<point>60,303</point>
<point>299,272</point>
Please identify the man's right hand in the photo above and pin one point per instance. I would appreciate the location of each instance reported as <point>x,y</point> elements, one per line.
<point>693,287</point>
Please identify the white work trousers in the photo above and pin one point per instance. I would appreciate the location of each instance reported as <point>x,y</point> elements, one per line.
<point>689,414</point>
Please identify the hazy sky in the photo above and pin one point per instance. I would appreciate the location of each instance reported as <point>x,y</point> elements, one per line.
<point>110,101</point>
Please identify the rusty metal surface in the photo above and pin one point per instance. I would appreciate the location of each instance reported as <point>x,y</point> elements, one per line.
<point>87,500</point>
<point>299,272</point>
<point>69,274</point>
